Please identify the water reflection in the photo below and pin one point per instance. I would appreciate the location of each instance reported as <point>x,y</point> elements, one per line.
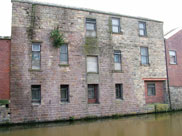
<point>168,124</point>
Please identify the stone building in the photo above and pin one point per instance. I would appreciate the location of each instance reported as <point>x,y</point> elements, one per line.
<point>109,63</point>
<point>4,67</point>
<point>173,42</point>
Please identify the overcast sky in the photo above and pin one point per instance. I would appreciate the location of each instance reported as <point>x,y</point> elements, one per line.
<point>168,11</point>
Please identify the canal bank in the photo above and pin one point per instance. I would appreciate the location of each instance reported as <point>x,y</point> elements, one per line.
<point>150,109</point>
<point>168,124</point>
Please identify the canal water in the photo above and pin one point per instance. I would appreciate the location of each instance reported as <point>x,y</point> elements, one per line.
<point>167,124</point>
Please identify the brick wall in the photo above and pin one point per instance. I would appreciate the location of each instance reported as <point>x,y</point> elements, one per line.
<point>4,68</point>
<point>159,96</point>
<point>72,23</point>
<point>175,70</point>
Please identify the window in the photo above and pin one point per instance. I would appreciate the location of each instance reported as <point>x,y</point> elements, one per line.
<point>92,93</point>
<point>64,54</point>
<point>151,89</point>
<point>36,56</point>
<point>119,91</point>
<point>172,55</point>
<point>142,29</point>
<point>36,93</point>
<point>144,55</point>
<point>117,60</point>
<point>64,93</point>
<point>90,27</point>
<point>115,25</point>
<point>92,64</point>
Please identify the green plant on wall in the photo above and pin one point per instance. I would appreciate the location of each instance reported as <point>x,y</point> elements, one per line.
<point>57,38</point>
<point>90,45</point>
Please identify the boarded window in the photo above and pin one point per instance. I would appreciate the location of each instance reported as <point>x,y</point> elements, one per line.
<point>117,60</point>
<point>64,54</point>
<point>36,93</point>
<point>142,28</point>
<point>151,89</point>
<point>36,56</point>
<point>172,55</point>
<point>119,91</point>
<point>92,93</point>
<point>90,27</point>
<point>92,64</point>
<point>115,25</point>
<point>144,55</point>
<point>64,93</point>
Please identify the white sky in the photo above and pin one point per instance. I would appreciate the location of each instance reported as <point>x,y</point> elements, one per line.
<point>168,11</point>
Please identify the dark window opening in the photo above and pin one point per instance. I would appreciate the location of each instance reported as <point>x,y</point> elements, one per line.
<point>64,93</point>
<point>92,93</point>
<point>151,89</point>
<point>36,93</point>
<point>119,91</point>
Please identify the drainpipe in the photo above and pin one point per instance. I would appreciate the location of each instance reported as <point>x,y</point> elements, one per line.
<point>169,93</point>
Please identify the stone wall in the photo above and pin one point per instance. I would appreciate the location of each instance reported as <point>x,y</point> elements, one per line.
<point>72,23</point>
<point>4,114</point>
<point>176,97</point>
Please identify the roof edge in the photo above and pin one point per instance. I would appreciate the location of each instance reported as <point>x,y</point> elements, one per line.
<point>5,38</point>
<point>83,9</point>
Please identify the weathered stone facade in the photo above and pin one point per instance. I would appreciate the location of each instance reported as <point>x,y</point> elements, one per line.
<point>4,114</point>
<point>71,22</point>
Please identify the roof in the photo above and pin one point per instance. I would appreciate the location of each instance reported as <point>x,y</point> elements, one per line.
<point>172,32</point>
<point>83,9</point>
<point>5,38</point>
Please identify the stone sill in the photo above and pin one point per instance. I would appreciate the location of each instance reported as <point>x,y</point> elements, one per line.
<point>36,104</point>
<point>120,33</point>
<point>92,73</point>
<point>34,70</point>
<point>64,103</point>
<point>63,65</point>
<point>143,36</point>
<point>117,71</point>
<point>172,63</point>
<point>145,65</point>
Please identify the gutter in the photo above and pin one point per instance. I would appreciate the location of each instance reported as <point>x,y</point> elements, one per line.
<point>169,93</point>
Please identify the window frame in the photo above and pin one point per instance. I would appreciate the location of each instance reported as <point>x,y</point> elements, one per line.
<point>119,25</point>
<point>144,29</point>
<point>67,93</point>
<point>120,90</point>
<point>38,101</point>
<point>97,58</point>
<point>94,100</point>
<point>67,55</point>
<point>120,57</point>
<point>175,63</point>
<point>88,21</point>
<point>144,55</point>
<point>39,55</point>
<point>153,93</point>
